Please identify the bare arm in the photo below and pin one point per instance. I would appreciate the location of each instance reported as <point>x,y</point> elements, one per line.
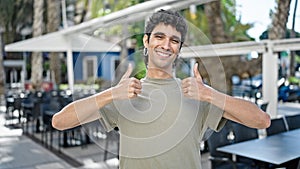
<point>81,111</point>
<point>86,110</point>
<point>238,110</point>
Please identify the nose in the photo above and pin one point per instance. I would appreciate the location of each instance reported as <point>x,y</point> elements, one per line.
<point>166,44</point>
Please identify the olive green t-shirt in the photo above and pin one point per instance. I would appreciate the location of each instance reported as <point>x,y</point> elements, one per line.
<point>161,128</point>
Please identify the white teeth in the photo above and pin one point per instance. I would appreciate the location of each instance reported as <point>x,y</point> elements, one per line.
<point>163,54</point>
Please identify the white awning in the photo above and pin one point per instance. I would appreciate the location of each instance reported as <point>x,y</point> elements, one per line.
<point>57,42</point>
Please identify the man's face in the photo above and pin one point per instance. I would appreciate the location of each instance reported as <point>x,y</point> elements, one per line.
<point>163,47</point>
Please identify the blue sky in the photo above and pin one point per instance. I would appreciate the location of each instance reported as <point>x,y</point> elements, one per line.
<point>257,12</point>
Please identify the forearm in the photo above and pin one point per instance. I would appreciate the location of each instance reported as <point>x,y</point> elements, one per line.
<point>81,111</point>
<point>239,110</point>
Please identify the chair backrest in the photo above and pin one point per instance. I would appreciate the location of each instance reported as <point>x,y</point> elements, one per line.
<point>293,121</point>
<point>218,139</point>
<point>264,106</point>
<point>278,125</point>
<point>243,133</point>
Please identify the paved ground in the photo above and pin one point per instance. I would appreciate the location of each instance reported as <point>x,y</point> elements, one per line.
<point>20,152</point>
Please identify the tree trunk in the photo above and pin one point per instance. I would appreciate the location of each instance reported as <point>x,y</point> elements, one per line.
<point>53,19</point>
<point>293,35</point>
<point>215,22</point>
<point>36,58</point>
<point>213,67</point>
<point>2,73</point>
<point>279,20</point>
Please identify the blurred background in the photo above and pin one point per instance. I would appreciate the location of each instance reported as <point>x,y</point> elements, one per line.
<point>55,51</point>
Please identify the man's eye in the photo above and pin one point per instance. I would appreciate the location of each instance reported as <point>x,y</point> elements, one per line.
<point>159,36</point>
<point>175,41</point>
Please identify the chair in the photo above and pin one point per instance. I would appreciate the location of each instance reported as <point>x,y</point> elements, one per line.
<point>293,121</point>
<point>264,106</point>
<point>48,109</point>
<point>278,125</point>
<point>112,137</point>
<point>244,133</point>
<point>27,106</point>
<point>218,159</point>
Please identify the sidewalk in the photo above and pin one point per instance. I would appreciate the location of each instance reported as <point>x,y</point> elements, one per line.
<point>18,151</point>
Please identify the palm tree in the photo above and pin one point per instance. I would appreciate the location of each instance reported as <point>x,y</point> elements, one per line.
<point>53,22</point>
<point>36,58</point>
<point>279,20</point>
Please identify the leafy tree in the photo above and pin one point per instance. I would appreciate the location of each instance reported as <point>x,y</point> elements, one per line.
<point>14,16</point>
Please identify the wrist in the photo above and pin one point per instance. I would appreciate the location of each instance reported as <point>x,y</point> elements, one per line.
<point>210,94</point>
<point>103,98</point>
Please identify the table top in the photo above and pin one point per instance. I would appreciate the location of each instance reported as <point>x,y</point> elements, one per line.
<point>275,149</point>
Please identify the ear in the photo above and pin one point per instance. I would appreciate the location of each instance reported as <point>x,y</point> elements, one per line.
<point>145,41</point>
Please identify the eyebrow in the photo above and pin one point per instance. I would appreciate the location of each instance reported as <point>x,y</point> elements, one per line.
<point>173,37</point>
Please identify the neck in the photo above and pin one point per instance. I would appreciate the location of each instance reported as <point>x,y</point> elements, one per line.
<point>158,74</point>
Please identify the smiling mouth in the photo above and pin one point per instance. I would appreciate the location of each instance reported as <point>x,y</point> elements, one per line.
<point>164,54</point>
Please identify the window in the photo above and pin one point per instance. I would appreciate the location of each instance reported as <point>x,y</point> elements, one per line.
<point>89,67</point>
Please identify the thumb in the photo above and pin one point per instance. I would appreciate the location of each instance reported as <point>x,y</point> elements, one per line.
<point>128,72</point>
<point>196,72</point>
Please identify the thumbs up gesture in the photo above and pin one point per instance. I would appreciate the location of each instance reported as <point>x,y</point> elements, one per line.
<point>193,87</point>
<point>128,87</point>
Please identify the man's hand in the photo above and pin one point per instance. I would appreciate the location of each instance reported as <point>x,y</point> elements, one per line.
<point>128,87</point>
<point>194,88</point>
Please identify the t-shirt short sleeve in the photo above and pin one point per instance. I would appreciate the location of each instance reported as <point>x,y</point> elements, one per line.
<point>109,117</point>
<point>213,117</point>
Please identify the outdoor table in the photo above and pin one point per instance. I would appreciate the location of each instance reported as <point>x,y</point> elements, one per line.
<point>276,149</point>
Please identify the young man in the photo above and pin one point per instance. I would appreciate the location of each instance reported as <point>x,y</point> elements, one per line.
<point>161,119</point>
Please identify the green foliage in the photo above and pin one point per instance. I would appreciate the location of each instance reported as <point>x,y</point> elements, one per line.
<point>235,30</point>
<point>198,33</point>
<point>233,27</point>
<point>294,80</point>
<point>14,15</point>
<point>139,71</point>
